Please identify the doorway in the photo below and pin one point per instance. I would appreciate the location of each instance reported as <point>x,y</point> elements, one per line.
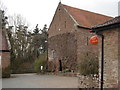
<point>60,65</point>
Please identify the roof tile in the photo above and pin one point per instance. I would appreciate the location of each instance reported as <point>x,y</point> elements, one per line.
<point>109,22</point>
<point>86,18</point>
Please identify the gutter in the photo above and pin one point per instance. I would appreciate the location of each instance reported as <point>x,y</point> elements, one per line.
<point>102,28</point>
<point>84,27</point>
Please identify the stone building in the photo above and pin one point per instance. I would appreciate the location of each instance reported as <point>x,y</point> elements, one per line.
<point>69,35</point>
<point>4,50</point>
<point>111,32</point>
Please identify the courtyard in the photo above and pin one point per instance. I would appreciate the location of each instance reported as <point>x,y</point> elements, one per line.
<point>39,81</point>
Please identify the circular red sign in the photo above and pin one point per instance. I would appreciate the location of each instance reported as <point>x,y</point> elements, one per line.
<point>94,40</point>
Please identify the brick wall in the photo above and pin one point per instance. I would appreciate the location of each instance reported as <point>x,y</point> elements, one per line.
<point>5,56</point>
<point>5,59</point>
<point>61,23</point>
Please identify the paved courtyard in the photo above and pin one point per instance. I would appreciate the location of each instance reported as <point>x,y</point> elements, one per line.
<point>39,81</point>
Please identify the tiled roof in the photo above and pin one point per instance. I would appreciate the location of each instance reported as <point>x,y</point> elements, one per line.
<point>109,22</point>
<point>86,18</point>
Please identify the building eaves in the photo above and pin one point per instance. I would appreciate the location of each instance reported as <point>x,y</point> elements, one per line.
<point>113,23</point>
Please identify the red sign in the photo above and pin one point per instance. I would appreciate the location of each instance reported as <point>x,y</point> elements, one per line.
<point>94,40</point>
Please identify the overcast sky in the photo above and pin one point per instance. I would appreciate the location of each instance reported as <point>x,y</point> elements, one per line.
<point>41,11</point>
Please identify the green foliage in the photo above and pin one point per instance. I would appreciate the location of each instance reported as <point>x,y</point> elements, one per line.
<point>41,61</point>
<point>25,46</point>
<point>66,70</point>
<point>89,65</point>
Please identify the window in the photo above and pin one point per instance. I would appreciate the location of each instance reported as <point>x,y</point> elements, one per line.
<point>53,54</point>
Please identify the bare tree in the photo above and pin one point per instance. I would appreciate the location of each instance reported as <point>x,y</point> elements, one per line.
<point>17,20</point>
<point>18,36</point>
<point>2,6</point>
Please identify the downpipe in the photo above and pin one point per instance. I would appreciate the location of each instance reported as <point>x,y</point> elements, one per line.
<point>102,60</point>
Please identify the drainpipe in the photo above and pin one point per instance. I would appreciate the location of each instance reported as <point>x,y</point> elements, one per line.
<point>102,59</point>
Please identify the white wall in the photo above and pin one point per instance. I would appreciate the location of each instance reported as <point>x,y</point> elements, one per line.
<point>119,8</point>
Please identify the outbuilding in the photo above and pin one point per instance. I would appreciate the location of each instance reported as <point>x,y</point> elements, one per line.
<point>68,41</point>
<point>109,38</point>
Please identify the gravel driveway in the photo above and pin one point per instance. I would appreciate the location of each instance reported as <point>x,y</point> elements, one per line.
<point>39,81</point>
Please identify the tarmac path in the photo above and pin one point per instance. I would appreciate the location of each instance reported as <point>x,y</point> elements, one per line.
<point>39,81</point>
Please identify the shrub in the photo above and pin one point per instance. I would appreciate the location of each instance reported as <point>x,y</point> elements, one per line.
<point>66,70</point>
<point>41,61</point>
<point>6,72</point>
<point>89,65</point>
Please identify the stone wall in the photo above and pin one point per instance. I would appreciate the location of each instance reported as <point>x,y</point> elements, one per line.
<point>111,69</point>
<point>67,42</point>
<point>84,48</point>
<point>119,58</point>
<point>64,47</point>
<point>62,41</point>
<point>88,81</point>
<point>70,48</point>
